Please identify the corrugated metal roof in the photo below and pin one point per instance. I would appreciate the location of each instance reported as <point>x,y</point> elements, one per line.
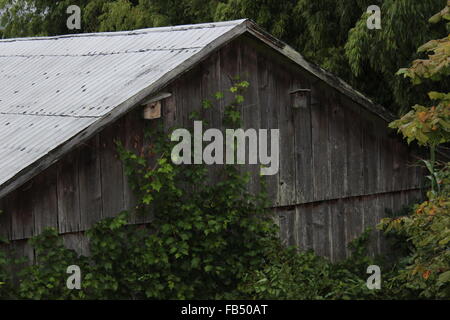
<point>55,92</point>
<point>52,88</point>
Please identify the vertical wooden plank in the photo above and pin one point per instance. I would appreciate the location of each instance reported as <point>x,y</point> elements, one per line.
<point>69,217</point>
<point>72,241</point>
<point>6,212</point>
<point>319,120</point>
<point>388,164</point>
<point>398,165</point>
<point>303,150</point>
<point>22,224</point>
<point>337,227</point>
<point>192,96</point>
<point>213,84</point>
<point>210,85</point>
<point>111,171</point>
<point>305,230</point>
<point>283,226</point>
<point>89,183</point>
<point>354,151</point>
<point>76,241</point>
<point>169,116</point>
<point>320,223</point>
<point>269,114</point>
<point>251,110</point>
<point>370,155</point>
<point>296,231</point>
<point>44,201</point>
<point>338,149</point>
<point>287,194</point>
<point>286,218</point>
<point>370,221</point>
<point>230,60</point>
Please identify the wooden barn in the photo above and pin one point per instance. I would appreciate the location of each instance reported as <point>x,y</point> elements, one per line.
<point>64,101</point>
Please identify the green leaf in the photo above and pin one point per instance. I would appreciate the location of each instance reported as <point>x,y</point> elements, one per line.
<point>444,277</point>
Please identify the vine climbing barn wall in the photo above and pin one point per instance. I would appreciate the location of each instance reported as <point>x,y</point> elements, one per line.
<point>340,167</point>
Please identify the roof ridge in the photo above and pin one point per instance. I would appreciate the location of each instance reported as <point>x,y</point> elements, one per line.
<point>132,32</point>
<point>101,53</point>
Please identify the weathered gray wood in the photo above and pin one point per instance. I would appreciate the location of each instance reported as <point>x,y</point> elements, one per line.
<point>6,209</point>
<point>251,111</point>
<point>305,230</point>
<point>354,152</point>
<point>286,221</point>
<point>77,242</point>
<point>398,166</point>
<point>111,171</point>
<point>303,150</point>
<point>90,184</point>
<point>169,115</point>
<point>371,157</point>
<point>210,85</point>
<point>388,163</point>
<point>283,225</point>
<point>69,216</point>
<point>354,220</point>
<point>22,214</point>
<point>320,224</point>
<point>338,148</point>
<point>45,202</point>
<point>370,221</point>
<point>337,227</point>
<point>268,114</point>
<point>320,146</point>
<point>230,72</point>
<point>287,194</point>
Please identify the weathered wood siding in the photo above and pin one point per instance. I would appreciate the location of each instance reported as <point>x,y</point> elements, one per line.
<point>340,168</point>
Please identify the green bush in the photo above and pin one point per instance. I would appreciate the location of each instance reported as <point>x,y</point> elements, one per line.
<point>427,229</point>
<point>293,275</point>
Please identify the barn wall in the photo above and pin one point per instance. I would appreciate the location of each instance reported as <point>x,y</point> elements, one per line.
<point>339,167</point>
<point>87,185</point>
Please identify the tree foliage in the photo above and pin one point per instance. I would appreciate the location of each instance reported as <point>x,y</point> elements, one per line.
<point>428,227</point>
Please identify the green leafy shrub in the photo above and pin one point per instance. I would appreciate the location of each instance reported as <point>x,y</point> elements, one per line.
<point>47,278</point>
<point>5,274</point>
<point>426,272</point>
<point>293,275</point>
